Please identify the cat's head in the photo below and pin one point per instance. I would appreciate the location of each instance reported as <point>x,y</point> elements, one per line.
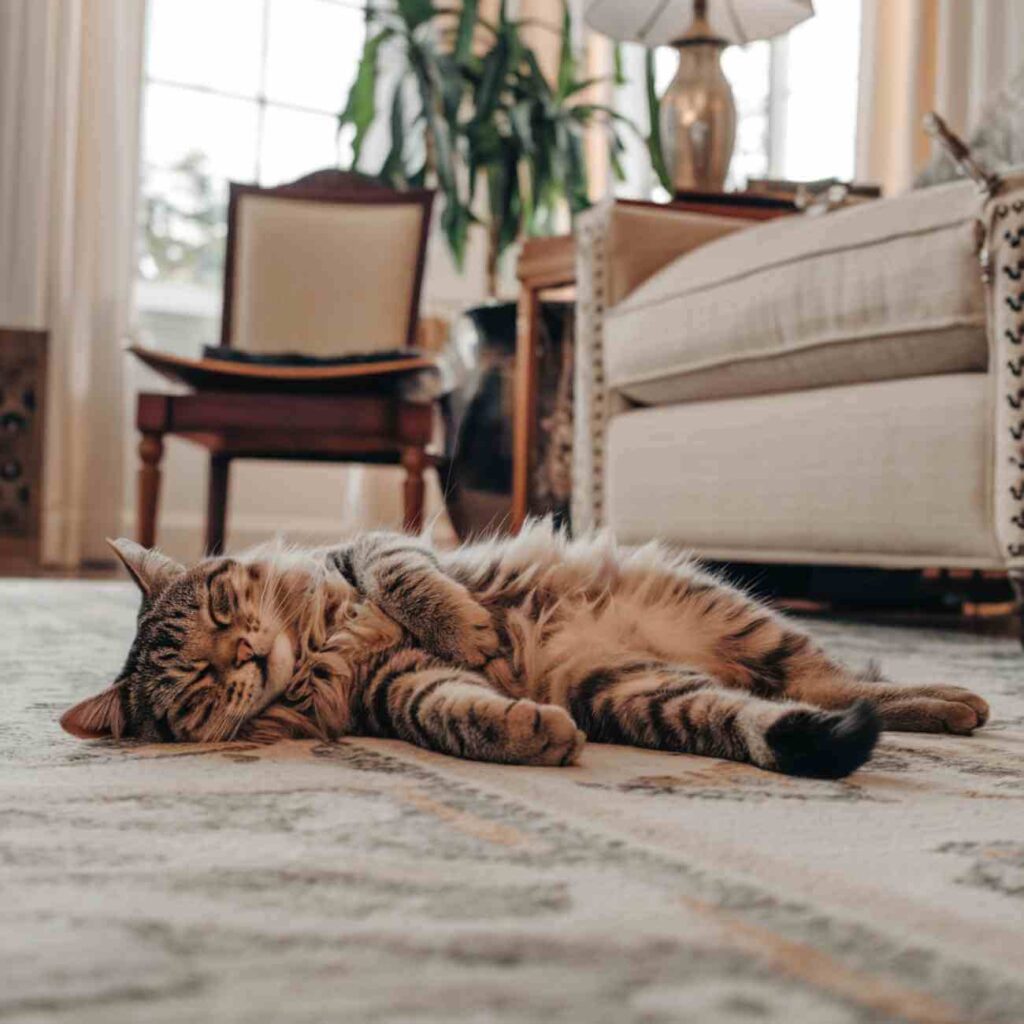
<point>211,650</point>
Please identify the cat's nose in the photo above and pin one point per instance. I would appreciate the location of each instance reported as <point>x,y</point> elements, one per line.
<point>244,652</point>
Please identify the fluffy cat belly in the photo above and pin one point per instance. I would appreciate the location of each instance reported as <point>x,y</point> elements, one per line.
<point>547,656</point>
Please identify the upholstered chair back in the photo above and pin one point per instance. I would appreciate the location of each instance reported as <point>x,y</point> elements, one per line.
<point>329,265</point>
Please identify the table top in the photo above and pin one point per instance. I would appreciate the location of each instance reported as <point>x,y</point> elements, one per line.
<point>549,262</point>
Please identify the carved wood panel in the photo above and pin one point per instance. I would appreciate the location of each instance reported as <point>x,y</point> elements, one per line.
<point>22,391</point>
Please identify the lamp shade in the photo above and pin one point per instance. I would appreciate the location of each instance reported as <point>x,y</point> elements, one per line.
<point>657,22</point>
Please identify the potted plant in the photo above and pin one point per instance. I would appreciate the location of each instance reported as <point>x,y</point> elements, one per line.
<point>472,114</point>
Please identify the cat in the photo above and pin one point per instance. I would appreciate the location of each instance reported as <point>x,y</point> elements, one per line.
<point>513,651</point>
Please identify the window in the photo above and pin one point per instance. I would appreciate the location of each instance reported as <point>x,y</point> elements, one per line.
<point>796,97</point>
<point>815,102</point>
<point>243,90</point>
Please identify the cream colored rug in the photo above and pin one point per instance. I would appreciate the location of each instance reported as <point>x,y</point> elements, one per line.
<point>370,881</point>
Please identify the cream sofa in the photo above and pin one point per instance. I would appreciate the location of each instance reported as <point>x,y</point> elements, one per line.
<point>843,389</point>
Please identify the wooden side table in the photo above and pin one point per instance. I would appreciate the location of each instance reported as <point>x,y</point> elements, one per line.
<point>544,264</point>
<point>549,263</point>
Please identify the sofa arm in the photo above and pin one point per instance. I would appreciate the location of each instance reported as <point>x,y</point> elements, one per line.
<point>1003,263</point>
<point>619,245</point>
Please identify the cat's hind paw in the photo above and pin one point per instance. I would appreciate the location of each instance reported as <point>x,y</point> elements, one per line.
<point>933,709</point>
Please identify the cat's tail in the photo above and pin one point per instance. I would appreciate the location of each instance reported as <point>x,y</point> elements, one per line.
<point>823,744</point>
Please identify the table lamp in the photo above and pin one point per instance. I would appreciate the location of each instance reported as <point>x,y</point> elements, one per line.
<point>698,112</point>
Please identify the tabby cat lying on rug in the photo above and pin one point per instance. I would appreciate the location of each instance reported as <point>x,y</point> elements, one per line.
<point>514,651</point>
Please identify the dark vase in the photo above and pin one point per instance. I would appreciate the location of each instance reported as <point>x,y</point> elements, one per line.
<point>477,476</point>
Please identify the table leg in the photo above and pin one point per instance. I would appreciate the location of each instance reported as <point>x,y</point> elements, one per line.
<point>217,503</point>
<point>525,410</point>
<point>414,461</point>
<point>151,451</point>
<point>1017,582</point>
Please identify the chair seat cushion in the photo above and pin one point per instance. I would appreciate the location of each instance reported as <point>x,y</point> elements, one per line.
<point>887,289</point>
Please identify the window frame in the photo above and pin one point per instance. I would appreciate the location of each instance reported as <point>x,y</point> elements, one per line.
<point>192,299</point>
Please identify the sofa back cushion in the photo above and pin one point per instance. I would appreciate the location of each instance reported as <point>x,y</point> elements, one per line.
<point>884,290</point>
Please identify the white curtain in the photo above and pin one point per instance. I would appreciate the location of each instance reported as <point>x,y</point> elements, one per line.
<point>70,83</point>
<point>952,56</point>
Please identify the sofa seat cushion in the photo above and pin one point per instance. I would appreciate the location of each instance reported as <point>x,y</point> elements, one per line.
<point>892,473</point>
<point>888,289</point>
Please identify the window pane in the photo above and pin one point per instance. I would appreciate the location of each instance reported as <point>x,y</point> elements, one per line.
<point>746,67</point>
<point>665,62</point>
<point>193,144</point>
<point>214,43</point>
<point>748,71</point>
<point>312,50</point>
<point>181,121</point>
<point>822,70</point>
<point>295,143</point>
<point>182,224</point>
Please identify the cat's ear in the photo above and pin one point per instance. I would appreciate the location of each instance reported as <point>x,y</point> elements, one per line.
<point>150,570</point>
<point>96,717</point>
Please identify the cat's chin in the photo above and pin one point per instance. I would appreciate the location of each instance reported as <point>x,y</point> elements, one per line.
<point>280,668</point>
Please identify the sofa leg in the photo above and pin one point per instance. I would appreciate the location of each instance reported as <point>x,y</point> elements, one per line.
<point>1017,582</point>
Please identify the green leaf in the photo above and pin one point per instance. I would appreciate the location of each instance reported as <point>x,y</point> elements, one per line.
<point>492,77</point>
<point>453,87</point>
<point>464,32</point>
<point>566,56</point>
<point>584,113</point>
<point>533,80</point>
<point>393,169</point>
<point>654,146</point>
<point>576,189</point>
<point>455,221</point>
<point>438,141</point>
<point>519,119</point>
<point>504,199</point>
<point>361,106</point>
<point>616,148</point>
<point>583,83</point>
<point>618,72</point>
<point>415,12</point>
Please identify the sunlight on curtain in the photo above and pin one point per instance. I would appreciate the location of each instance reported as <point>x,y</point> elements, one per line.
<point>69,108</point>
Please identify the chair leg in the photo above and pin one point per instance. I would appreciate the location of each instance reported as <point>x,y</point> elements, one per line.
<point>151,451</point>
<point>414,460</point>
<point>217,503</point>
<point>1017,582</point>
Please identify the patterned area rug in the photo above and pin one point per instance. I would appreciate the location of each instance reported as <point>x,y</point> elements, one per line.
<point>371,881</point>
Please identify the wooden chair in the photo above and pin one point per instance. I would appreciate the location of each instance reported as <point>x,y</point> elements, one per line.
<point>327,265</point>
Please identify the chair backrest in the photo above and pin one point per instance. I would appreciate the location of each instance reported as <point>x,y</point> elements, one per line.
<point>329,264</point>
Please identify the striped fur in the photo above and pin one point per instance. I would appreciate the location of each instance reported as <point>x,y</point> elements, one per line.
<point>510,650</point>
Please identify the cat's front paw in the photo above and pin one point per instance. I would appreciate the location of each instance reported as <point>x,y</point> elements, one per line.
<point>470,638</point>
<point>542,734</point>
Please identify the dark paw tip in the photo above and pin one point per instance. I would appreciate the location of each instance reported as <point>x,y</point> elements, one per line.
<point>824,744</point>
